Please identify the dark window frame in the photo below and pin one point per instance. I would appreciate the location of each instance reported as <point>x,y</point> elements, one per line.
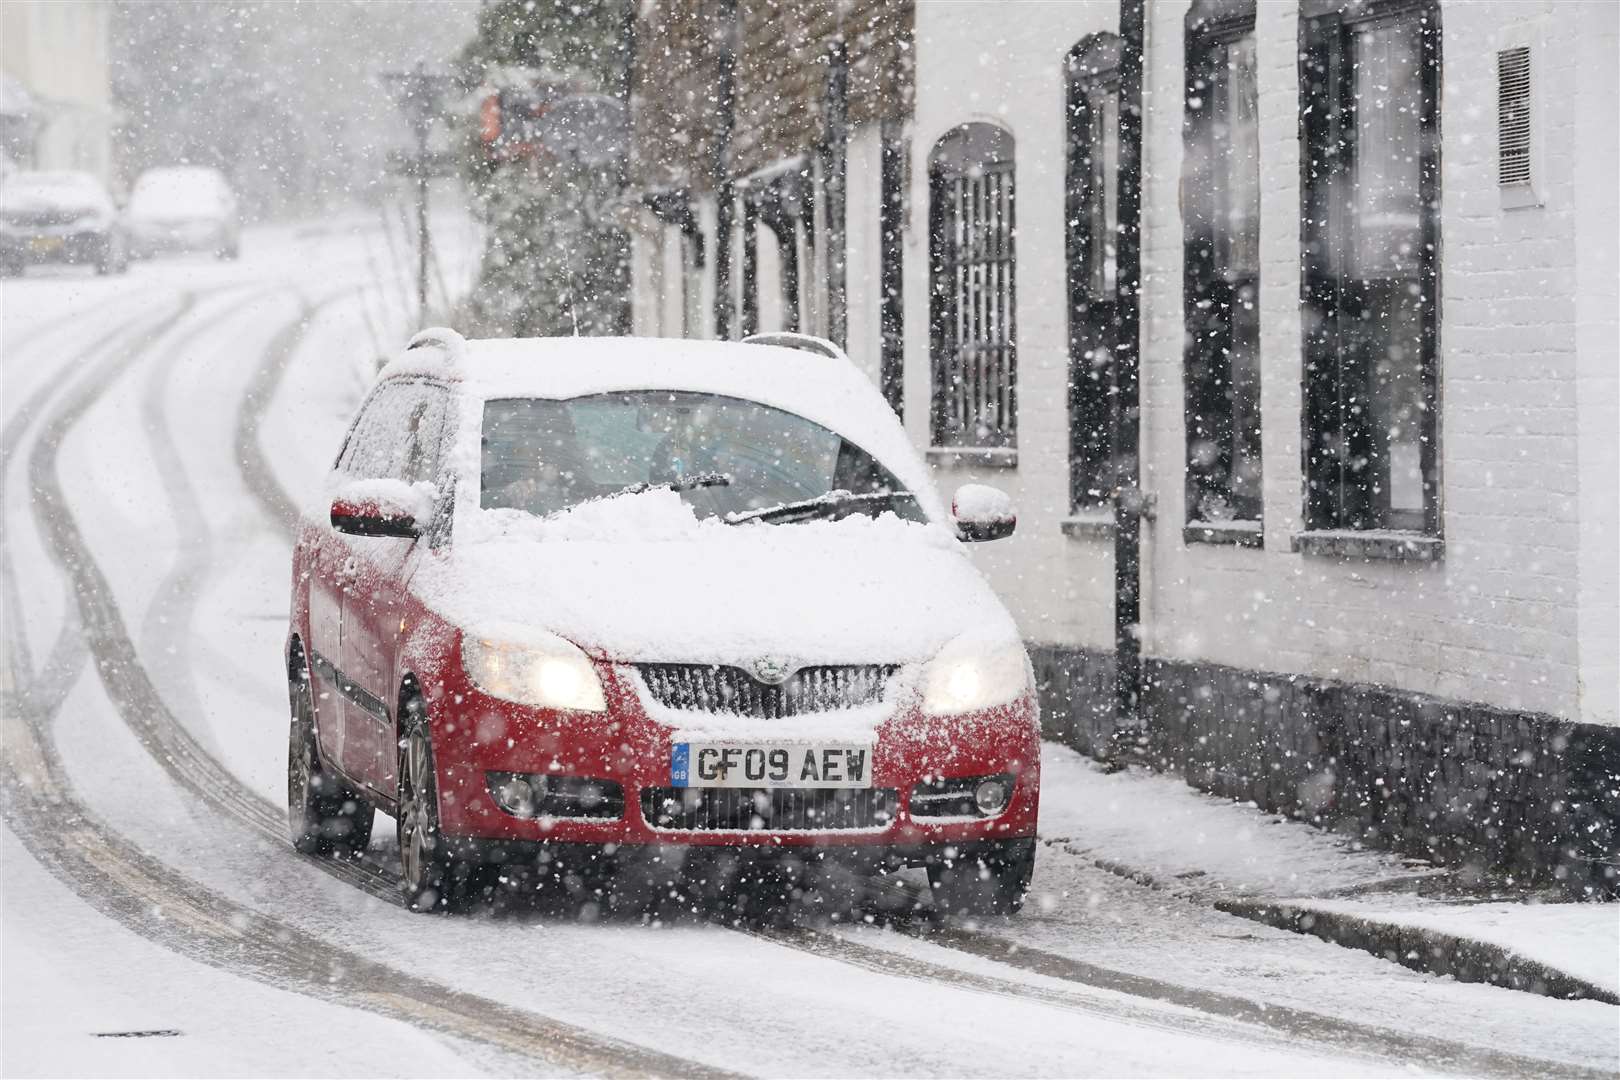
<point>1332,501</point>
<point>891,263</point>
<point>1214,316</point>
<point>783,202</point>
<point>1093,320</point>
<point>973,287</point>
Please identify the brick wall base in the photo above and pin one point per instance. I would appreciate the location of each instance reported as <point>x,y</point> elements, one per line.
<point>1508,795</point>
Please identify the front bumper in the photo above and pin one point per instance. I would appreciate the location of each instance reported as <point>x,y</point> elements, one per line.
<point>49,245</point>
<point>474,734</point>
<point>151,238</point>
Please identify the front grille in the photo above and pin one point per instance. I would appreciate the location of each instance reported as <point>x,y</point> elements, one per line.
<point>782,810</point>
<point>720,689</point>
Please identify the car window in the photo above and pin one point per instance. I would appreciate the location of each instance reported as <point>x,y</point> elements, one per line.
<point>399,434</point>
<point>424,433</point>
<point>544,456</point>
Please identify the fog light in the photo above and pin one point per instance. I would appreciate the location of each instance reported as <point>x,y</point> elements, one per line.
<point>514,793</point>
<point>990,796</point>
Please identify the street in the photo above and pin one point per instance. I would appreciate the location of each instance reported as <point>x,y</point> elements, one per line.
<point>159,428</point>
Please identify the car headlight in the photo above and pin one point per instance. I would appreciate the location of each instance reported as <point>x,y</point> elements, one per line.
<point>969,676</point>
<point>552,673</point>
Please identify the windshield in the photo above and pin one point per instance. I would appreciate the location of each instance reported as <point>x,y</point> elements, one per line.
<point>544,456</point>
<point>52,188</point>
<point>178,191</point>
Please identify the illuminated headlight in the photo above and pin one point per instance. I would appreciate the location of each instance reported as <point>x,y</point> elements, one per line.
<point>554,674</point>
<point>966,678</point>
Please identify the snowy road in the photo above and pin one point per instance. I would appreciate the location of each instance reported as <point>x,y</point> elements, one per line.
<point>157,431</point>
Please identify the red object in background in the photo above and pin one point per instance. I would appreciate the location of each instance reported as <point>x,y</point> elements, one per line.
<point>489,119</point>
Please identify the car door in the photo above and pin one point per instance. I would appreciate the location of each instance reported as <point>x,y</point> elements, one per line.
<point>376,603</point>
<point>334,563</point>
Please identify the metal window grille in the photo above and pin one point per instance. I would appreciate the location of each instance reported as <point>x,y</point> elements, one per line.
<point>1513,116</point>
<point>975,382</point>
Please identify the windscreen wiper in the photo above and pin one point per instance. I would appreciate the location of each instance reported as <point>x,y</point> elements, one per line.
<point>830,504</point>
<point>682,483</point>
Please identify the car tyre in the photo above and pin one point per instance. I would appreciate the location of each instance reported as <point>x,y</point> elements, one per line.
<point>429,877</point>
<point>324,816</point>
<point>10,267</point>
<point>983,881</point>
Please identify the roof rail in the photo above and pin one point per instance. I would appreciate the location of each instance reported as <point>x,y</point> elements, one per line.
<point>804,342</point>
<point>440,337</point>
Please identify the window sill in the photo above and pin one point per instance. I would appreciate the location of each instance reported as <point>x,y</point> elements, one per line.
<point>1393,545</point>
<point>1094,525</point>
<point>1247,534</point>
<point>983,457</point>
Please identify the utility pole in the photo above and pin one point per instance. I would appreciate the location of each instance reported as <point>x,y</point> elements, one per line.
<point>419,94</point>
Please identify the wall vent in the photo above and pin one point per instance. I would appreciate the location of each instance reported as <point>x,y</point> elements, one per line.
<point>1513,118</point>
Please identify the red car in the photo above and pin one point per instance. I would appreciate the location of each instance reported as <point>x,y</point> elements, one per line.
<point>573,601</point>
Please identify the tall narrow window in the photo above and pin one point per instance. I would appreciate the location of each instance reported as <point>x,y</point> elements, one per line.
<point>1091,203</point>
<point>1221,217</point>
<point>1370,79</point>
<point>970,181</point>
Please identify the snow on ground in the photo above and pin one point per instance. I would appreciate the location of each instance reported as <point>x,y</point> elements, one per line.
<point>1181,837</point>
<point>1582,939</point>
<point>1203,846</point>
<point>72,980</point>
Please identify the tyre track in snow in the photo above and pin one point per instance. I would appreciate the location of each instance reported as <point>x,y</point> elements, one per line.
<point>38,802</point>
<point>1294,1028</point>
<point>1213,1014</point>
<point>68,652</point>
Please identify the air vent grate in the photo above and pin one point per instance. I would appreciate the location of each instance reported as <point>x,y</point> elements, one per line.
<point>1513,116</point>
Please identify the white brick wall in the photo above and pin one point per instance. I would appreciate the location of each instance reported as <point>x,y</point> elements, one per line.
<point>1525,513</point>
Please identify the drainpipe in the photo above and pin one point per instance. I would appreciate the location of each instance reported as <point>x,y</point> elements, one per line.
<point>725,194</point>
<point>1129,503</point>
<point>835,168</point>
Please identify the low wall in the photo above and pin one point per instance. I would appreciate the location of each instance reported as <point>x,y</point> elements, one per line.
<point>1511,795</point>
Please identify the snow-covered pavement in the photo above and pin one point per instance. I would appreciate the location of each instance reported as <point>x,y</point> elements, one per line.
<point>147,887</point>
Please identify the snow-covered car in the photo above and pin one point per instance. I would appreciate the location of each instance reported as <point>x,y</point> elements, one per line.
<point>570,601</point>
<point>184,208</point>
<point>59,217</point>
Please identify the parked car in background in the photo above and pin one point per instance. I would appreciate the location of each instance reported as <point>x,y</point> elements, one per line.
<point>184,208</point>
<point>573,603</point>
<point>59,217</point>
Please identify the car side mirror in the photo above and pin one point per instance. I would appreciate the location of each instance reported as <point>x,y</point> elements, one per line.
<point>381,508</point>
<point>982,513</point>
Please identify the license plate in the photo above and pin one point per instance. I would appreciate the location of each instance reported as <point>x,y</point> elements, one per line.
<point>771,765</point>
<point>43,244</point>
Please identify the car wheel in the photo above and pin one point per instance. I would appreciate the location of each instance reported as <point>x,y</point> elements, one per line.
<point>323,815</point>
<point>429,877</point>
<point>11,267</point>
<point>983,881</point>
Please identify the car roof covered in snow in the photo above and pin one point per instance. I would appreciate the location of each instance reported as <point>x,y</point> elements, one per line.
<point>828,390</point>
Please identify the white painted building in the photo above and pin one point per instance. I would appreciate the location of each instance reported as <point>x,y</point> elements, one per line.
<point>1459,430</point>
<point>54,55</point>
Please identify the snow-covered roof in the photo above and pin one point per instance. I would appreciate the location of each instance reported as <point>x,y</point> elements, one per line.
<point>830,391</point>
